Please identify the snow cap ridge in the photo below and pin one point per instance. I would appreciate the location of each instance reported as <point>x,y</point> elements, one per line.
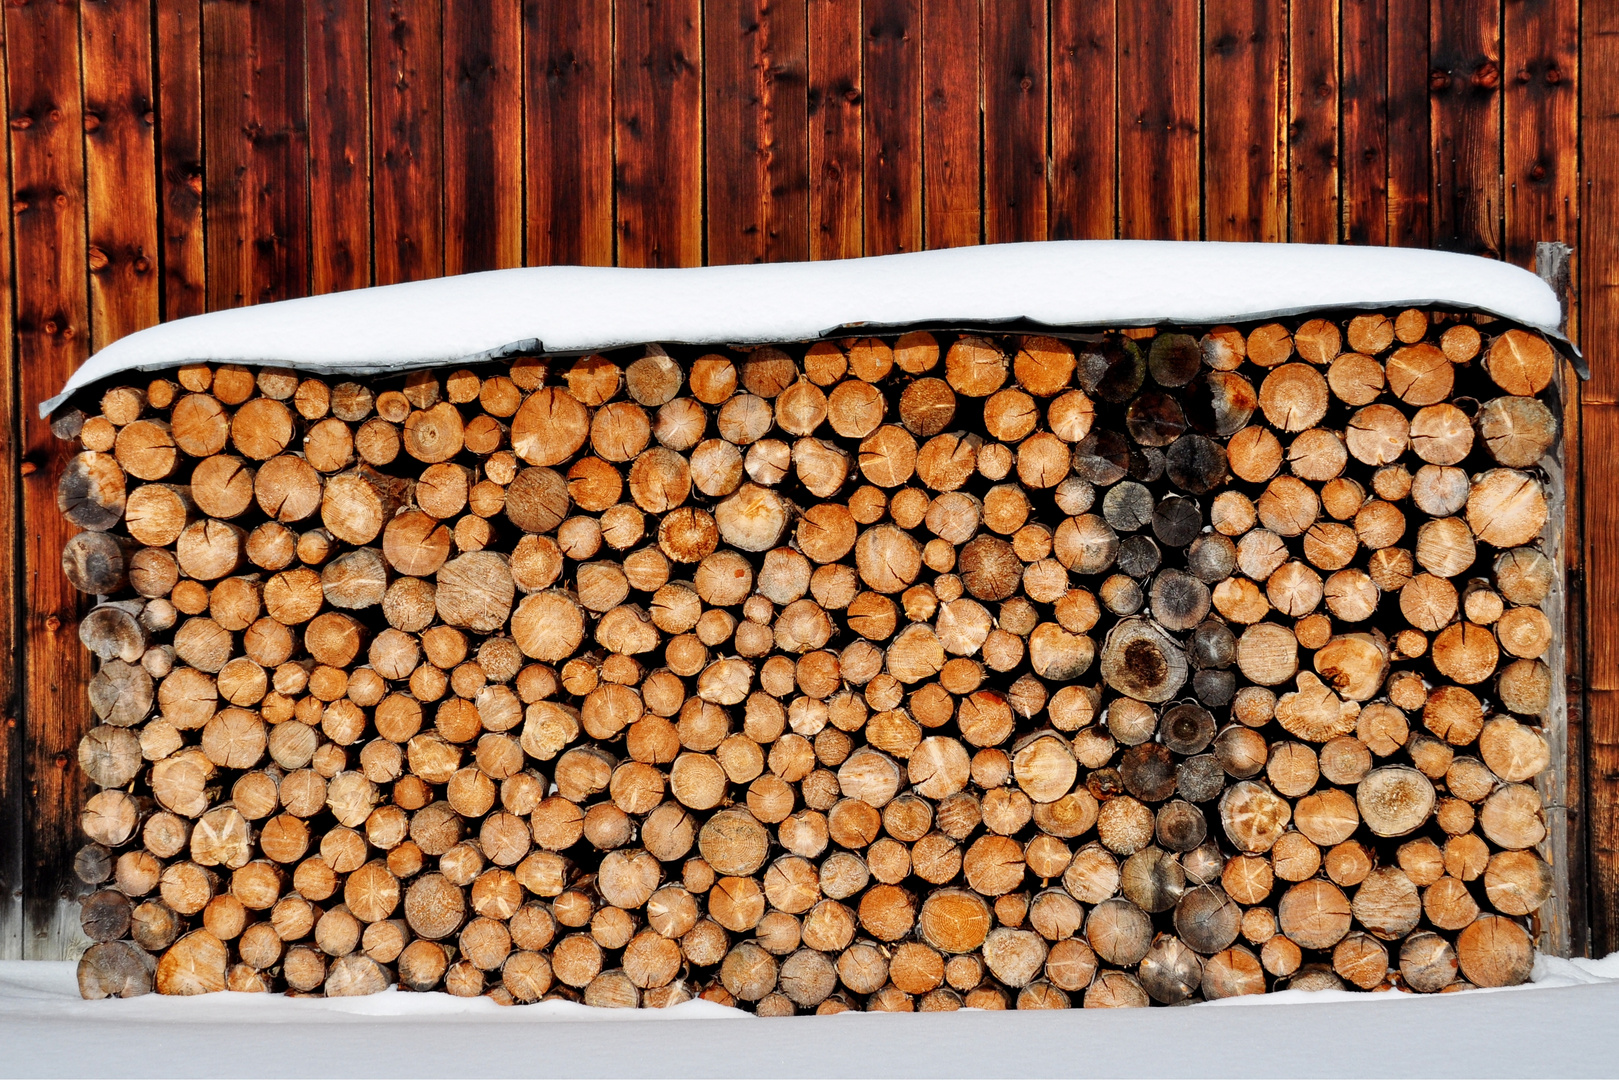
<point>1057,285</point>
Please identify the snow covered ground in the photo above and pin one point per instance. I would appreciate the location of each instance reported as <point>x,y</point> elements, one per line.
<point>1565,1024</point>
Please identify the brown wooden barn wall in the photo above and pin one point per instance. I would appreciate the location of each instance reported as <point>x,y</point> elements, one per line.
<point>167,157</point>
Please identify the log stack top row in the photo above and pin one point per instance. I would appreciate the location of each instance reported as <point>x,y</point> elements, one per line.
<point>916,672</point>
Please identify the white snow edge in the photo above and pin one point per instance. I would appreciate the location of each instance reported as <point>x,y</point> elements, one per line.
<point>1056,284</point>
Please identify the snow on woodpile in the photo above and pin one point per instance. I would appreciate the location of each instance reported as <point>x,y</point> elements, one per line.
<point>1056,284</point>
<point>905,669</point>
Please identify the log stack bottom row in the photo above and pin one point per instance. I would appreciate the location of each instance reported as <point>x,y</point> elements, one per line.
<point>889,673</point>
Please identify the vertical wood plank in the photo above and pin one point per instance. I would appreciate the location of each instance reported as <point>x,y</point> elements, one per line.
<point>1364,117</point>
<point>1578,611</point>
<point>46,124</point>
<point>755,73</point>
<point>1551,927</point>
<point>1465,85</point>
<point>407,130</point>
<point>14,820</point>
<point>1160,116</point>
<point>179,106</point>
<point>1598,248</point>
<point>1599,326</point>
<point>1602,764</point>
<point>339,146</point>
<point>1600,423</point>
<point>1575,904</point>
<point>1084,128</point>
<point>1410,155</point>
<point>954,134</point>
<point>835,118</point>
<point>893,167</point>
<point>483,136</point>
<point>1016,115</point>
<point>256,151</point>
<point>1312,131</point>
<point>120,158</point>
<point>568,120</point>
<point>1539,115</point>
<point>658,132</point>
<point>1245,131</point>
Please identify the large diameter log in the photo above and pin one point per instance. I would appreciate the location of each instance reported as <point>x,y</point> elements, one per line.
<point>1517,430</point>
<point>550,427</point>
<point>1506,508</point>
<point>1143,662</point>
<point>475,591</point>
<point>1394,800</point>
<point>91,493</point>
<point>98,563</point>
<point>1354,664</point>
<point>752,519</point>
<point>1521,362</point>
<point>1254,816</point>
<point>115,969</point>
<point>955,920</point>
<point>355,505</point>
<point>548,625</point>
<point>1495,951</point>
<point>1427,962</point>
<point>1314,712</point>
<point>193,965</point>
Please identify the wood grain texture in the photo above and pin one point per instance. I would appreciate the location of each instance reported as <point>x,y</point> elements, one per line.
<point>179,101</point>
<point>483,136</point>
<point>1577,629</point>
<point>1016,115</point>
<point>1539,108</point>
<point>1313,127</point>
<point>339,145</point>
<point>1084,134</point>
<point>1561,924</point>
<point>1245,138</point>
<point>755,56</point>
<point>1601,430</point>
<point>1410,154</point>
<point>53,337</point>
<point>1159,120</point>
<point>1364,121</point>
<point>835,116</point>
<point>954,153</point>
<point>1465,89</point>
<point>568,125</point>
<point>407,116</point>
<point>1602,727</point>
<point>120,159</point>
<point>1599,214</point>
<point>15,807</point>
<point>256,167</point>
<point>658,125</point>
<point>893,133</point>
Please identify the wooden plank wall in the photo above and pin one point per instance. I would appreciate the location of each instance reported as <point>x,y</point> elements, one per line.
<point>167,157</point>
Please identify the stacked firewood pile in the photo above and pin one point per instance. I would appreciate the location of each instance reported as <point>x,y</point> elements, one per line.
<point>918,673</point>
